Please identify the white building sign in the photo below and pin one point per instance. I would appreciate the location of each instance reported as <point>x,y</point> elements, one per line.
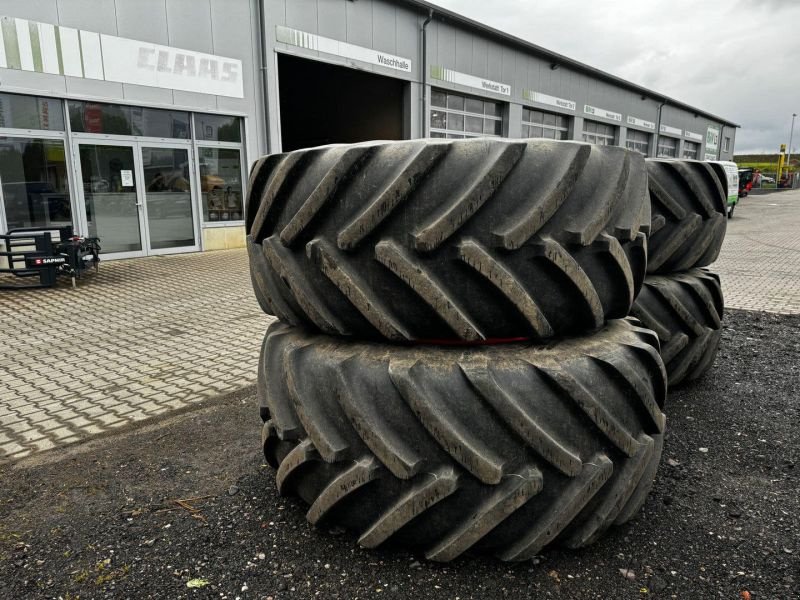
<point>693,136</point>
<point>641,123</point>
<point>131,61</point>
<point>550,100</point>
<point>312,41</point>
<point>486,85</point>
<point>602,112</point>
<point>671,130</point>
<point>46,48</point>
<point>712,143</point>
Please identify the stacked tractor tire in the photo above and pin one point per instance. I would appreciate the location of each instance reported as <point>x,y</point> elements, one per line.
<point>454,368</point>
<point>680,300</point>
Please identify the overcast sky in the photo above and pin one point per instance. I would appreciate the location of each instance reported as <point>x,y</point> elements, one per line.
<point>734,58</point>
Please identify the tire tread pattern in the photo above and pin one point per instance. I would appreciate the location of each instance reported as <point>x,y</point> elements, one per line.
<point>688,212</point>
<point>431,239</point>
<point>685,311</point>
<point>496,449</point>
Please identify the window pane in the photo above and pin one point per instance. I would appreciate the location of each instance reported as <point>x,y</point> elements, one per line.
<point>217,128</point>
<point>221,184</point>
<point>537,132</point>
<point>589,126</point>
<point>454,136</point>
<point>438,119</point>
<point>549,133</point>
<point>562,135</point>
<point>526,114</point>
<point>437,134</point>
<point>31,112</point>
<point>116,119</point>
<point>34,175</point>
<point>498,127</point>
<point>438,98</point>
<point>153,122</point>
<point>491,108</point>
<point>455,122</point>
<point>562,122</point>
<point>455,102</point>
<point>92,117</point>
<point>473,124</point>
<point>474,106</point>
<point>549,119</point>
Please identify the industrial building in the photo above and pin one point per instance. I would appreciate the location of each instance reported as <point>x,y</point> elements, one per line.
<point>136,120</point>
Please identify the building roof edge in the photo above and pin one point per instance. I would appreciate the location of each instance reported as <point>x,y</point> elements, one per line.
<point>560,58</point>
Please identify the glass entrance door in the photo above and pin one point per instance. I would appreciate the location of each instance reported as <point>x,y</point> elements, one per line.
<point>168,199</point>
<point>138,197</point>
<point>111,197</point>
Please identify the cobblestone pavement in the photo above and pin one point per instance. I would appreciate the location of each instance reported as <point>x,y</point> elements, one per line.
<point>138,339</point>
<point>760,260</point>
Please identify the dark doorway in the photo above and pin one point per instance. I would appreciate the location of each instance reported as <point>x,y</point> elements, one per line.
<point>325,104</point>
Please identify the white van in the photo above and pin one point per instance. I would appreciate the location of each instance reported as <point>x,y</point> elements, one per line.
<point>728,173</point>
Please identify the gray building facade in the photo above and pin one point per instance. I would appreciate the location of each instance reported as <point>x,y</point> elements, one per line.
<point>137,120</point>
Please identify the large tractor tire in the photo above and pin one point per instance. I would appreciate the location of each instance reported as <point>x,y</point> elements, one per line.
<point>439,239</point>
<point>689,209</point>
<point>685,311</point>
<point>497,449</point>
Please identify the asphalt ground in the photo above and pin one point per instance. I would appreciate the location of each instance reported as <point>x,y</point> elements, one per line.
<point>150,510</point>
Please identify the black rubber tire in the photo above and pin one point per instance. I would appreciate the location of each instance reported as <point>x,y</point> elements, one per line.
<point>689,210</point>
<point>492,449</point>
<point>685,310</point>
<point>441,239</point>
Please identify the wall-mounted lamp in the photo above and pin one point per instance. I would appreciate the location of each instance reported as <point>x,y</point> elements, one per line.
<point>554,66</point>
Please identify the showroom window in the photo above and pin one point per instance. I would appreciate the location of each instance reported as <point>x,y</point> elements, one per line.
<point>35,184</point>
<point>31,112</point>
<point>667,147</point>
<point>541,124</point>
<point>33,168</point>
<point>691,150</point>
<point>119,119</point>
<point>457,116</point>
<point>219,156</point>
<point>598,133</point>
<point>638,141</point>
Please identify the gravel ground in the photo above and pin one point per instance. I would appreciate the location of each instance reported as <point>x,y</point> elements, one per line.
<point>100,520</point>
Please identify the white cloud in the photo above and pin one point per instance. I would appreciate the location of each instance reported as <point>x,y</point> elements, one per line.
<point>733,59</point>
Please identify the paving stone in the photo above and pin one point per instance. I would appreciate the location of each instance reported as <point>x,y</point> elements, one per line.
<point>137,340</point>
<point>759,265</point>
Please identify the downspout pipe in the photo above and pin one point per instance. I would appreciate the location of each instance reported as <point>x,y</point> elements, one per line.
<point>424,65</point>
<point>263,69</point>
<point>658,125</point>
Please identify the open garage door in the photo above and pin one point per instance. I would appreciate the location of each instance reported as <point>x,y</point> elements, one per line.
<point>327,104</point>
